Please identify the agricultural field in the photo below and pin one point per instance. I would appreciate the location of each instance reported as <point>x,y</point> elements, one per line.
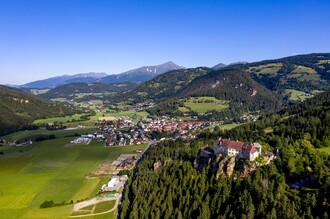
<point>268,69</point>
<point>49,171</point>
<point>296,95</point>
<point>229,126</point>
<point>58,134</point>
<point>204,104</point>
<point>302,69</point>
<point>66,120</point>
<point>119,114</point>
<point>226,126</point>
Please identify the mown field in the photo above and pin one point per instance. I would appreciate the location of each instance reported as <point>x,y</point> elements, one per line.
<point>73,120</point>
<point>204,104</point>
<point>59,134</point>
<point>48,171</point>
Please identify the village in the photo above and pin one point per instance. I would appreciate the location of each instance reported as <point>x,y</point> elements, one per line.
<point>125,131</point>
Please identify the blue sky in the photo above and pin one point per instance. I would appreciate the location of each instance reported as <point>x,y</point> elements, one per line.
<point>40,39</point>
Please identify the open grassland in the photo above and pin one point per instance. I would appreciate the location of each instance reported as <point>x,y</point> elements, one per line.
<point>229,126</point>
<point>119,114</point>
<point>268,69</point>
<point>204,104</point>
<point>303,73</point>
<point>326,150</point>
<point>296,95</point>
<point>302,69</point>
<point>64,119</point>
<point>59,134</point>
<point>225,126</point>
<point>104,206</point>
<point>48,171</point>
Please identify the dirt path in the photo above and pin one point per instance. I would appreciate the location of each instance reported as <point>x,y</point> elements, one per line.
<point>118,196</point>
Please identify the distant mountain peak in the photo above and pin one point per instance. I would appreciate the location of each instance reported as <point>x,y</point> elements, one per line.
<point>219,66</point>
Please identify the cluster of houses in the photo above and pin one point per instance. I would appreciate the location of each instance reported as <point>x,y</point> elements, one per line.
<point>126,132</point>
<point>249,117</point>
<point>125,164</point>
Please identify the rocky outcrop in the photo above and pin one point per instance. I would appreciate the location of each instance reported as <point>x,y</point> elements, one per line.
<point>230,166</point>
<point>157,165</point>
<point>221,167</point>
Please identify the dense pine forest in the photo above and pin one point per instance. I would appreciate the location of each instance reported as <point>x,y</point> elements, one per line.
<point>167,185</point>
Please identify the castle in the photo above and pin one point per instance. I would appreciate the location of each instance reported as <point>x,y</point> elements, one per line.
<point>236,148</point>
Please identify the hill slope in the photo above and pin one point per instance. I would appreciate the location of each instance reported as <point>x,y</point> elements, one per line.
<point>294,185</point>
<point>64,91</point>
<point>233,85</point>
<point>249,86</point>
<point>18,109</point>
<point>163,86</point>
<point>302,72</point>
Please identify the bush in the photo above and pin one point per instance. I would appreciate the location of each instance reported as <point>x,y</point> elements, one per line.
<point>47,204</point>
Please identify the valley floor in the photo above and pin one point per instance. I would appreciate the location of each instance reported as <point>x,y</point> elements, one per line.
<point>48,171</point>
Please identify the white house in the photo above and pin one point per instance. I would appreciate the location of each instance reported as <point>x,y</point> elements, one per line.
<point>113,182</point>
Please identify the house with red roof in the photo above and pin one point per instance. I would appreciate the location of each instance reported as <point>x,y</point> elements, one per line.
<point>236,148</point>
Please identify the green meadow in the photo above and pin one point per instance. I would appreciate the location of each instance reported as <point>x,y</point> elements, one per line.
<point>296,95</point>
<point>326,150</point>
<point>204,104</point>
<point>59,134</point>
<point>49,171</point>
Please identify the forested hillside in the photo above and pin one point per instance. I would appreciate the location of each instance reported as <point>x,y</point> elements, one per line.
<point>68,90</point>
<point>233,85</point>
<point>163,86</point>
<point>166,184</point>
<point>302,72</point>
<point>19,109</point>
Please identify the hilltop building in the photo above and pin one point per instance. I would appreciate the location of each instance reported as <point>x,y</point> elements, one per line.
<point>236,148</point>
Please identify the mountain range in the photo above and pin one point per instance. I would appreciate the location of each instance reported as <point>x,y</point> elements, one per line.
<point>246,87</point>
<point>264,85</point>
<point>138,75</point>
<point>64,79</point>
<point>141,74</point>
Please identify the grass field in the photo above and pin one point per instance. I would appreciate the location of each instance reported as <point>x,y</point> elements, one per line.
<point>302,69</point>
<point>296,95</point>
<point>326,150</point>
<point>119,114</point>
<point>104,206</point>
<point>204,104</point>
<point>226,126</point>
<point>59,134</point>
<point>268,69</point>
<point>48,171</point>
<point>229,126</point>
<point>268,130</point>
